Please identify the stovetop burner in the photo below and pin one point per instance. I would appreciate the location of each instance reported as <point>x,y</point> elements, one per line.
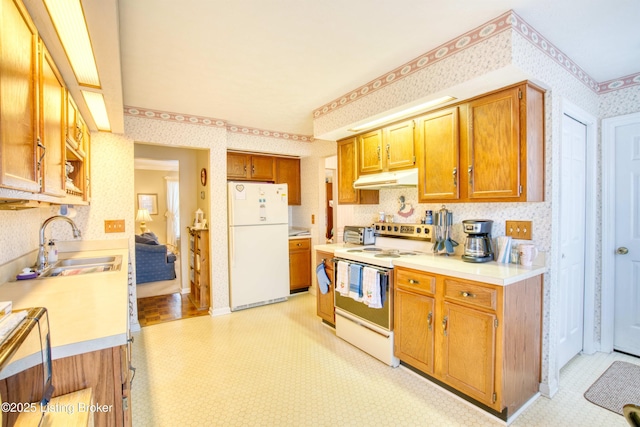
<point>384,255</point>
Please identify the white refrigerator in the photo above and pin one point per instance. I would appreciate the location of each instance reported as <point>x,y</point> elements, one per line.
<point>258,243</point>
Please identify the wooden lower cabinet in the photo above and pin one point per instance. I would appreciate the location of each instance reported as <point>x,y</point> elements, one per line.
<point>324,302</point>
<point>478,339</point>
<point>107,372</point>
<point>299,265</point>
<point>413,340</point>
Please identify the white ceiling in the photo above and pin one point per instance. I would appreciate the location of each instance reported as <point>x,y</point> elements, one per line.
<point>269,63</point>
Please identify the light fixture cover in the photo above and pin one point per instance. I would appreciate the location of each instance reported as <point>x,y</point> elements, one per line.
<point>404,113</point>
<point>98,109</point>
<point>70,24</point>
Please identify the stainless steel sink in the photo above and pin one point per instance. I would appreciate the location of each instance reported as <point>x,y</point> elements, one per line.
<point>87,261</point>
<point>77,266</point>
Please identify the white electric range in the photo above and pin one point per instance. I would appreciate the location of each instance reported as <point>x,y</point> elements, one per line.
<point>371,329</point>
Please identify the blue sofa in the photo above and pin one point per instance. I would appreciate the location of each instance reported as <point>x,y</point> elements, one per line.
<point>153,261</point>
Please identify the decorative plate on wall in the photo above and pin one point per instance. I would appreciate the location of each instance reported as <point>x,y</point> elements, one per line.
<point>203,176</point>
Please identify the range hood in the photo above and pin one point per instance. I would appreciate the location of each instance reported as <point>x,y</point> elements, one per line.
<point>399,179</point>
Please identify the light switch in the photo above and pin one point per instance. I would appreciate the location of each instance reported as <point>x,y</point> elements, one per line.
<point>521,230</point>
<point>114,225</point>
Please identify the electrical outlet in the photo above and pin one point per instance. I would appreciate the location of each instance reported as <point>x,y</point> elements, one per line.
<point>521,230</point>
<point>114,225</point>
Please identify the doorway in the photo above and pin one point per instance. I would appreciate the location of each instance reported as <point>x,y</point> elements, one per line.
<point>576,258</point>
<point>159,180</point>
<point>572,238</point>
<point>621,243</point>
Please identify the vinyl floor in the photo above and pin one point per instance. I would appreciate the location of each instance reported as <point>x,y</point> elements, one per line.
<point>278,365</point>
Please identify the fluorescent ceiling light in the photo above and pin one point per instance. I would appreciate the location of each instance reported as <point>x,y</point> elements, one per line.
<point>98,109</point>
<point>403,113</point>
<point>71,26</point>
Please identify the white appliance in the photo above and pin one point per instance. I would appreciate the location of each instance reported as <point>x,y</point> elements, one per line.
<point>371,329</point>
<point>258,243</point>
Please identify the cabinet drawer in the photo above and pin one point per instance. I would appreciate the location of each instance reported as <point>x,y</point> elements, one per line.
<point>417,281</point>
<point>299,244</point>
<point>470,293</point>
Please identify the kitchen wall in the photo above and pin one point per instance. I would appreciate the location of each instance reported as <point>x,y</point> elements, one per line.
<point>514,54</point>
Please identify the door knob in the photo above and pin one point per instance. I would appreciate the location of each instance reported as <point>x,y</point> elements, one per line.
<point>622,250</point>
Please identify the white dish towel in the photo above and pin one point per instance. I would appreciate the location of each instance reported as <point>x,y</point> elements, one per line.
<point>371,287</point>
<point>342,281</point>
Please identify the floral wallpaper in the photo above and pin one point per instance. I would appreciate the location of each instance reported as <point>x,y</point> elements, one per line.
<point>527,53</point>
<point>505,43</point>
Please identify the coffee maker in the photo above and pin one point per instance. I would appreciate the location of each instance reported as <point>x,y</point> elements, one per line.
<point>477,248</point>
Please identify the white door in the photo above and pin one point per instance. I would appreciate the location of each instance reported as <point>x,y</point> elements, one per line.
<point>626,335</point>
<point>572,238</point>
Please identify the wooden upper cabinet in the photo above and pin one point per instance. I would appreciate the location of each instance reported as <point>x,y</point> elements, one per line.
<point>19,101</point>
<point>504,152</point>
<point>387,149</point>
<point>288,172</point>
<point>347,174</point>
<point>52,113</point>
<point>238,165</point>
<point>262,168</point>
<point>370,152</point>
<point>437,148</point>
<point>398,149</point>
<point>246,166</point>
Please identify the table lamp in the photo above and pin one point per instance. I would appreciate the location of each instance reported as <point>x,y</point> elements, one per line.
<point>142,217</point>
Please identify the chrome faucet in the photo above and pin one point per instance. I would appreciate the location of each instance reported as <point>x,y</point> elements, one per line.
<point>41,262</point>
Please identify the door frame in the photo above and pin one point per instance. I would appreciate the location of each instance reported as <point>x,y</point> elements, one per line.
<point>591,122</point>
<point>608,154</point>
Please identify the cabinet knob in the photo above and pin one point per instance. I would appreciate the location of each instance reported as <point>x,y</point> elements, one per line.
<point>467,294</point>
<point>455,177</point>
<point>444,325</point>
<point>414,282</point>
<point>430,319</point>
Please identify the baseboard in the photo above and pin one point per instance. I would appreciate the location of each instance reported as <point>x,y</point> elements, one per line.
<point>220,311</point>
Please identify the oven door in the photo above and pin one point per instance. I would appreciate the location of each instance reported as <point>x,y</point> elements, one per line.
<point>382,317</point>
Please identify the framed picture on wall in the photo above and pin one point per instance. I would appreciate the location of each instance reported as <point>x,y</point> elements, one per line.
<point>148,202</point>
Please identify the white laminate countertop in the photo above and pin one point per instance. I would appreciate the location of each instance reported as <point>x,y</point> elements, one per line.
<point>487,272</point>
<point>86,312</point>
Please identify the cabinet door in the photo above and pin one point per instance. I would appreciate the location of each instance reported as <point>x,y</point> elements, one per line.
<point>399,146</point>
<point>437,143</point>
<point>469,351</point>
<point>262,168</point>
<point>347,174</point>
<point>52,103</point>
<point>237,166</point>
<point>19,100</point>
<point>413,324</point>
<point>370,152</point>
<point>347,171</point>
<point>324,302</point>
<point>288,172</point>
<point>493,151</point>
<point>300,269</point>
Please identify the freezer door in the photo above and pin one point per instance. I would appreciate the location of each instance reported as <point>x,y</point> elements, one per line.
<point>257,203</point>
<point>258,264</point>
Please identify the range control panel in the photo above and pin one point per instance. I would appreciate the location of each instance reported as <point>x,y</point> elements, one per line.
<point>405,231</point>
